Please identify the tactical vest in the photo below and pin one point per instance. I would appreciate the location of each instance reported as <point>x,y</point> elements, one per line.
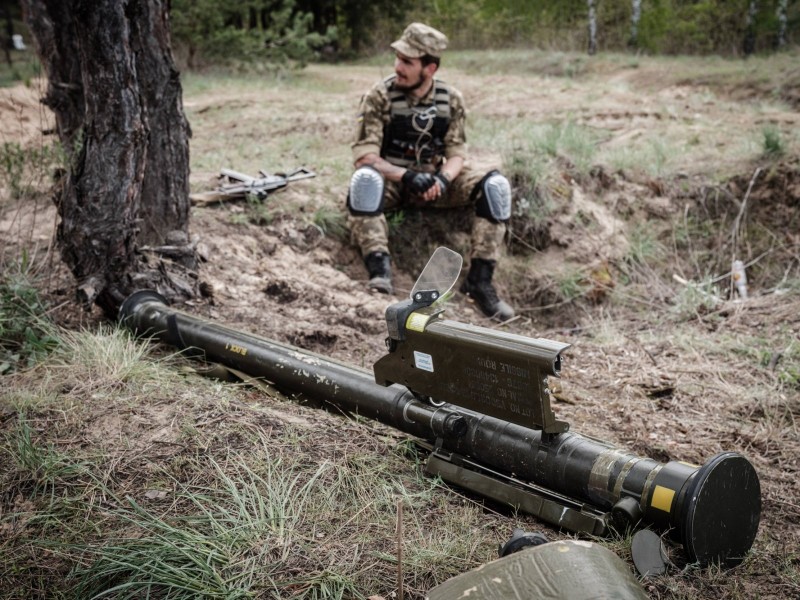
<point>414,136</point>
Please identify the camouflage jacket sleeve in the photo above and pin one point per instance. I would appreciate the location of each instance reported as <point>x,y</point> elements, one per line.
<point>373,114</point>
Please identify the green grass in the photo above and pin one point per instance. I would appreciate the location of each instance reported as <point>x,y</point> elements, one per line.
<point>652,156</point>
<point>106,357</point>
<point>571,284</point>
<point>24,169</point>
<point>26,334</point>
<point>25,67</point>
<point>774,145</point>
<point>45,466</point>
<point>237,510</point>
<point>235,534</point>
<point>331,221</point>
<point>537,149</point>
<point>568,65</point>
<point>255,525</point>
<point>696,299</point>
<point>644,246</point>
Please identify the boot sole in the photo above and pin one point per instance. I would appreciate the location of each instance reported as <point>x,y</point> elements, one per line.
<point>492,315</point>
<point>380,284</point>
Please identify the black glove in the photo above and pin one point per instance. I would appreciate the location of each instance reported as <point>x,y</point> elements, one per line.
<point>416,182</point>
<point>443,180</point>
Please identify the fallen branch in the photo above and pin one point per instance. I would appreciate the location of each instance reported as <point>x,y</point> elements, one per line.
<point>702,292</point>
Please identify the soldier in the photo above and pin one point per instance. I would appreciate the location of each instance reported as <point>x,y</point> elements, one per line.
<point>410,148</point>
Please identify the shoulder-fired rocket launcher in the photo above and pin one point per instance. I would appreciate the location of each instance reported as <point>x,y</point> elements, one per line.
<point>479,401</point>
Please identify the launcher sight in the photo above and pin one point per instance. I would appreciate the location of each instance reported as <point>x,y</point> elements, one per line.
<point>494,373</point>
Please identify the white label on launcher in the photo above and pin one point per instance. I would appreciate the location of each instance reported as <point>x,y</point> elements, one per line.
<point>423,361</point>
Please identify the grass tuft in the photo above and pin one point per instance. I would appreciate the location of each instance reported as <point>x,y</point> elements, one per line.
<point>21,167</point>
<point>44,466</point>
<point>696,299</point>
<point>543,149</point>
<point>107,363</point>
<point>331,221</point>
<point>26,334</point>
<point>773,144</point>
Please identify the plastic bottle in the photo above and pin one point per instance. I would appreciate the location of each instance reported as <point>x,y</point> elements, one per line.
<point>739,278</point>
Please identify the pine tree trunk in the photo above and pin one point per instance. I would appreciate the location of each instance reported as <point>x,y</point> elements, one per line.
<point>783,8</point>
<point>165,188</point>
<point>592,26</point>
<point>116,94</point>
<point>636,16</point>
<point>7,42</point>
<point>749,43</point>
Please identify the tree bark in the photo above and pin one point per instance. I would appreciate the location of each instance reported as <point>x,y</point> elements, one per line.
<point>7,40</point>
<point>782,10</point>
<point>636,16</point>
<point>165,201</point>
<point>592,4</point>
<point>749,43</point>
<point>116,94</point>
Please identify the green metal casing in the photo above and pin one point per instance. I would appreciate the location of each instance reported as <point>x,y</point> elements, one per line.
<point>494,373</point>
<point>564,570</point>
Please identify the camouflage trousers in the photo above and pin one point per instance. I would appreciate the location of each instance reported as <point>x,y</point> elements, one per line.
<point>371,233</point>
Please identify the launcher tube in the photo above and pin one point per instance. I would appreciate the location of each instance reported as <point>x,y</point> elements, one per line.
<point>713,510</point>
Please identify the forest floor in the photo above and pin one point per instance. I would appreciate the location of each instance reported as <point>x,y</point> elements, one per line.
<point>637,181</point>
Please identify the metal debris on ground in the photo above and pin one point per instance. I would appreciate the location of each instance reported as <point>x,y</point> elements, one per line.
<point>238,186</point>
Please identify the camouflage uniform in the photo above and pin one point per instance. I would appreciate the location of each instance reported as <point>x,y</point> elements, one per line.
<point>416,137</point>
<point>370,233</point>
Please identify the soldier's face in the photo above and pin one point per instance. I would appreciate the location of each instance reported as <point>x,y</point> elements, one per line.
<point>410,74</point>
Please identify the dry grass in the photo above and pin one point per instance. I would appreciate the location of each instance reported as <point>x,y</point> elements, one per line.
<point>221,492</point>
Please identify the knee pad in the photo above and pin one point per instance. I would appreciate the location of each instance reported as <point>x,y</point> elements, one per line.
<point>365,196</point>
<point>493,197</point>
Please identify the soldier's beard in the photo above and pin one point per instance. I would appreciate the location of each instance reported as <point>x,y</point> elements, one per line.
<point>412,87</point>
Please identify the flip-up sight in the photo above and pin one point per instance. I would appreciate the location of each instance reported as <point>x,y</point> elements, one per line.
<point>490,372</point>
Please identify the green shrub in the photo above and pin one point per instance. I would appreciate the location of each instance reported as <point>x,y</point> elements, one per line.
<point>695,299</point>
<point>208,31</point>
<point>644,248</point>
<point>773,143</point>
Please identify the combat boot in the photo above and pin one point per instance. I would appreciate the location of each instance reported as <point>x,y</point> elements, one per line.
<point>380,272</point>
<point>478,286</point>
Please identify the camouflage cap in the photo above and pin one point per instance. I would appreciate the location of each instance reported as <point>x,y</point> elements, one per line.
<point>419,39</point>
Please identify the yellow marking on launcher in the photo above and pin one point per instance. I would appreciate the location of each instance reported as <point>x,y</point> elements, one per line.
<point>417,321</point>
<point>236,349</point>
<point>662,498</point>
